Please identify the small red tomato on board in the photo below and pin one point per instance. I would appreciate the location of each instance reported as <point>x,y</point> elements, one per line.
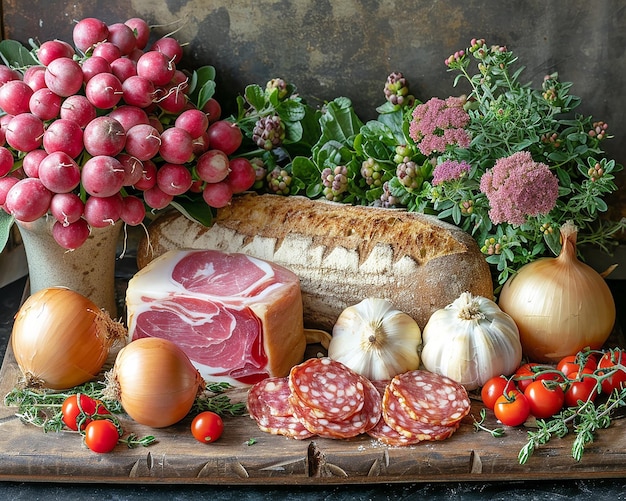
<point>571,363</point>
<point>495,388</point>
<point>207,427</point>
<point>581,387</point>
<point>545,398</point>
<point>101,436</point>
<point>529,372</point>
<point>512,409</point>
<point>73,407</point>
<point>617,378</point>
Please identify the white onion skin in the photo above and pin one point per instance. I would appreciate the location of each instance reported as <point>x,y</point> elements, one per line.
<point>155,381</point>
<point>61,339</point>
<point>560,305</point>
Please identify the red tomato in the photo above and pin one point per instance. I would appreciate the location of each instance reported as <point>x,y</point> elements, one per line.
<point>207,427</point>
<point>512,409</point>
<point>494,388</point>
<point>101,435</point>
<point>545,399</point>
<point>581,388</point>
<point>570,364</point>
<point>608,362</point>
<point>73,413</point>
<point>529,372</point>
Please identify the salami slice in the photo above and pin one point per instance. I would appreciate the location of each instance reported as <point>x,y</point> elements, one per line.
<point>395,416</point>
<point>329,389</point>
<point>270,396</point>
<point>359,422</point>
<point>430,398</point>
<point>289,426</point>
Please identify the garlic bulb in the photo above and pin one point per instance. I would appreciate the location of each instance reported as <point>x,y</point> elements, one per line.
<point>470,341</point>
<point>376,340</point>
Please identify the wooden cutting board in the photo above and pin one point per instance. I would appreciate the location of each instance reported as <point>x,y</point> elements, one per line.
<point>28,454</point>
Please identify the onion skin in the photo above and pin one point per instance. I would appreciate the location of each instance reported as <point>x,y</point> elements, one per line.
<point>155,382</point>
<point>61,339</point>
<point>560,305</point>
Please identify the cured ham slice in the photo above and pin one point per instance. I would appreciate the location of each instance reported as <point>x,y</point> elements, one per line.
<point>238,318</point>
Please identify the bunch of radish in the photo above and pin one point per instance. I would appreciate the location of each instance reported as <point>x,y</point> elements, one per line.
<point>105,129</point>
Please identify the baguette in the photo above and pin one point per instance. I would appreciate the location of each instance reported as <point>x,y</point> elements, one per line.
<point>341,253</point>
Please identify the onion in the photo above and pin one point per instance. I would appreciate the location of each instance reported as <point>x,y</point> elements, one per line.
<point>155,382</point>
<point>560,305</point>
<point>61,339</point>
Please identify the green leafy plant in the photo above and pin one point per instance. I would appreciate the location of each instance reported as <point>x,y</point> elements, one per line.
<point>507,163</point>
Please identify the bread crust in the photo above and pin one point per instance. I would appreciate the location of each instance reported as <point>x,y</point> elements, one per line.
<point>341,253</point>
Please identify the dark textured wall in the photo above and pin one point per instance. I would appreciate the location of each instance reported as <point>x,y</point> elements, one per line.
<point>348,47</point>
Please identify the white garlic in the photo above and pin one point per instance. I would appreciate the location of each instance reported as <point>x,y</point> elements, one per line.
<point>376,340</point>
<point>470,341</point>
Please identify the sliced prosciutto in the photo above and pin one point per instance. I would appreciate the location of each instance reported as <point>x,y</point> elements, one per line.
<point>238,318</point>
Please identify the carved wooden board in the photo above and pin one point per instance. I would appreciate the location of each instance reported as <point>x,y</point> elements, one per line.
<point>28,454</point>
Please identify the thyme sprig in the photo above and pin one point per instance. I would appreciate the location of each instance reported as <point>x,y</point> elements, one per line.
<point>480,426</point>
<point>219,402</point>
<point>584,420</point>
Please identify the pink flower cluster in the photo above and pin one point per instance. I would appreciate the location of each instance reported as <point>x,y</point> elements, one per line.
<point>518,187</point>
<point>449,170</point>
<point>438,123</point>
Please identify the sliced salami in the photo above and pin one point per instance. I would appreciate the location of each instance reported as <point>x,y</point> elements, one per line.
<point>289,426</point>
<point>270,396</point>
<point>387,435</point>
<point>430,398</point>
<point>395,415</point>
<point>330,390</point>
<point>360,422</point>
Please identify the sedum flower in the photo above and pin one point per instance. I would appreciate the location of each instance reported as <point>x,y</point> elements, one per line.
<point>518,187</point>
<point>438,123</point>
<point>450,170</point>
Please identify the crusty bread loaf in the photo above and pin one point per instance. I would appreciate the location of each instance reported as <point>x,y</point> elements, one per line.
<point>341,253</point>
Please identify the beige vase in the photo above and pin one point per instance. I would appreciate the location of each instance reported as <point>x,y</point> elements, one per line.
<point>88,270</point>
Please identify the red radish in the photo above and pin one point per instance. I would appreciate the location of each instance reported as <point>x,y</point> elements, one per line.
<point>156,67</point>
<point>174,100</point>
<point>59,172</point>
<point>133,210</point>
<point>141,30</point>
<point>217,195</point>
<point>143,141</point>
<point>72,235</point>
<point>103,211</point>
<point>15,97</point>
<point>124,68</point>
<point>102,176</point>
<point>225,136</point>
<point>122,36</point>
<point>156,198</point>
<point>213,109</point>
<point>241,176</point>
<point>53,49</point>
<point>6,161</point>
<point>148,176</point>
<point>31,161</point>
<point>63,135</point>
<point>104,90</point>
<point>170,47</point>
<point>104,136</point>
<point>193,121</point>
<point>78,109</point>
<point>24,132</point>
<point>107,50</point>
<point>213,166</point>
<point>138,91</point>
<point>45,104</point>
<point>6,183</point>
<point>28,199</point>
<point>7,74</point>
<point>66,207</point>
<point>129,116</point>
<point>173,179</point>
<point>34,77</point>
<point>94,65</point>
<point>88,32</point>
<point>176,145</point>
<point>64,76</point>
<point>133,168</point>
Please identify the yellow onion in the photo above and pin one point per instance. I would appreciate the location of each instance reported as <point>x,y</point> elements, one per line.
<point>155,382</point>
<point>560,305</point>
<point>61,339</point>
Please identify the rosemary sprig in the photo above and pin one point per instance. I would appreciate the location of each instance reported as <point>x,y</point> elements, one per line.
<point>584,420</point>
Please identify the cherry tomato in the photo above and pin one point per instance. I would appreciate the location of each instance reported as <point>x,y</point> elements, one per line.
<point>101,435</point>
<point>571,363</point>
<point>616,380</point>
<point>529,372</point>
<point>207,427</point>
<point>581,388</point>
<point>494,388</point>
<point>545,399</point>
<point>512,409</point>
<point>72,411</point>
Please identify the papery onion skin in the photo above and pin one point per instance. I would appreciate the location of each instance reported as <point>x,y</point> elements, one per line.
<point>471,349</point>
<point>560,305</point>
<point>376,340</point>
<point>155,382</point>
<point>61,339</point>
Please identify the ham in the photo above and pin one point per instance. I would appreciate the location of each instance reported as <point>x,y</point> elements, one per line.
<point>238,318</point>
